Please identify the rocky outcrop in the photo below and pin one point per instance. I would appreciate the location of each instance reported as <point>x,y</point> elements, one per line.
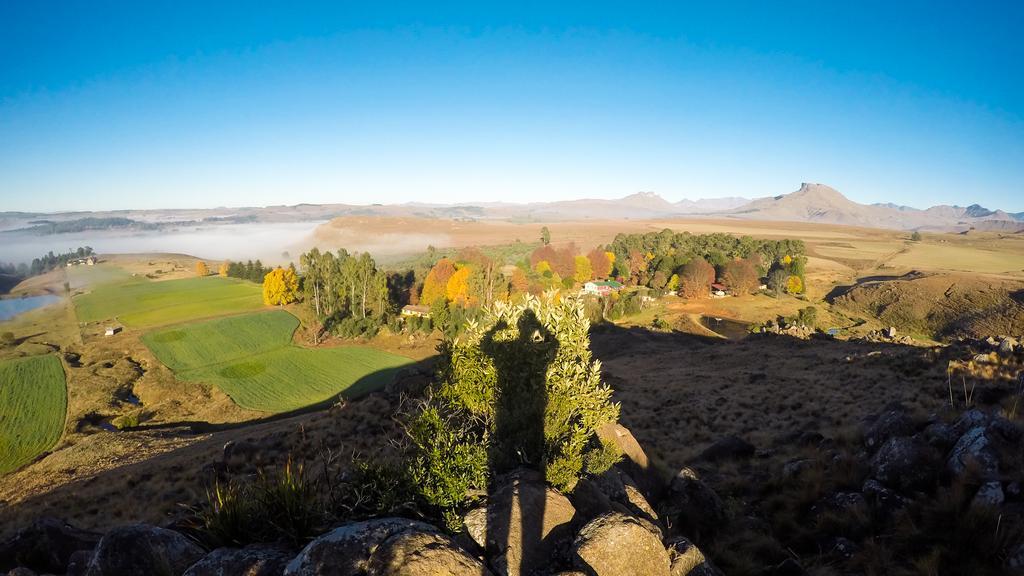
<point>905,464</point>
<point>142,550</point>
<point>728,448</point>
<point>254,560</point>
<point>347,549</point>
<point>415,553</point>
<point>893,422</point>
<point>615,544</point>
<point>634,462</point>
<point>692,506</point>
<point>46,545</point>
<point>687,560</point>
<point>522,525</point>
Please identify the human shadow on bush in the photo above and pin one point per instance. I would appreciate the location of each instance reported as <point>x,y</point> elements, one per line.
<point>520,400</point>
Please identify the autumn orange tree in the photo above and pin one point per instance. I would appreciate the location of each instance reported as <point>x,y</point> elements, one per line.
<point>741,276</point>
<point>280,287</point>
<point>202,269</point>
<point>457,288</point>
<point>435,285</point>
<point>600,262</point>
<point>224,268</point>
<point>696,279</point>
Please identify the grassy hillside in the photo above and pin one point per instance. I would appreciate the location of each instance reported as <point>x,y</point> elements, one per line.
<point>33,402</point>
<point>141,303</point>
<point>940,306</point>
<point>252,359</point>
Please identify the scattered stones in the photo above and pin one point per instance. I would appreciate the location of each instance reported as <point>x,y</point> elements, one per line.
<point>140,550</point>
<point>615,544</point>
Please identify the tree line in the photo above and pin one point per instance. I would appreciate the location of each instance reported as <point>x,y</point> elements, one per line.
<point>687,262</point>
<point>45,263</point>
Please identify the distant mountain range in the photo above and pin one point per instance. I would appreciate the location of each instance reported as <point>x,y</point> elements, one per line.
<point>820,203</point>
<point>811,203</point>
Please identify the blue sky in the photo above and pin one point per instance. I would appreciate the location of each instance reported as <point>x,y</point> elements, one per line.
<point>159,105</point>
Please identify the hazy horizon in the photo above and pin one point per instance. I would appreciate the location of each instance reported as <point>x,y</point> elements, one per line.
<point>110,106</point>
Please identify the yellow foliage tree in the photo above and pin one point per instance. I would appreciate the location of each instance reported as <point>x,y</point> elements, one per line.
<point>584,272</point>
<point>202,269</point>
<point>457,290</point>
<point>436,283</point>
<point>280,287</point>
<point>543,267</point>
<point>223,270</point>
<point>794,285</point>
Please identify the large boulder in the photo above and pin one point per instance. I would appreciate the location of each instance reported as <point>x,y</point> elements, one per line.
<point>974,451</point>
<point>634,460</point>
<point>589,500</point>
<point>254,560</point>
<point>728,448</point>
<point>46,545</point>
<point>893,422</point>
<point>968,420</point>
<point>625,495</point>
<point>143,550</point>
<point>415,553</point>
<point>688,560</point>
<point>616,544</point>
<point>692,506</point>
<point>523,525</point>
<point>347,549</point>
<point>905,464</point>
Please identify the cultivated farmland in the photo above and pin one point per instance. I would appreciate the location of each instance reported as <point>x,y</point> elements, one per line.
<point>141,303</point>
<point>33,402</point>
<point>253,360</point>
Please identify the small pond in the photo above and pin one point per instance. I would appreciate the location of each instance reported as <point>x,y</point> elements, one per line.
<point>11,307</point>
<point>731,329</point>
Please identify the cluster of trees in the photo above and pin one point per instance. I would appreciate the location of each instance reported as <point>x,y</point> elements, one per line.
<point>565,267</point>
<point>251,271</point>
<point>346,292</point>
<point>46,263</point>
<point>687,262</point>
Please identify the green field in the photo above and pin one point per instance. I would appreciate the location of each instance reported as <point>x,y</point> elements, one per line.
<point>33,403</point>
<point>142,303</point>
<point>253,360</point>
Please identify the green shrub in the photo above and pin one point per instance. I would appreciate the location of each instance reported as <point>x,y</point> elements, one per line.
<point>518,387</point>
